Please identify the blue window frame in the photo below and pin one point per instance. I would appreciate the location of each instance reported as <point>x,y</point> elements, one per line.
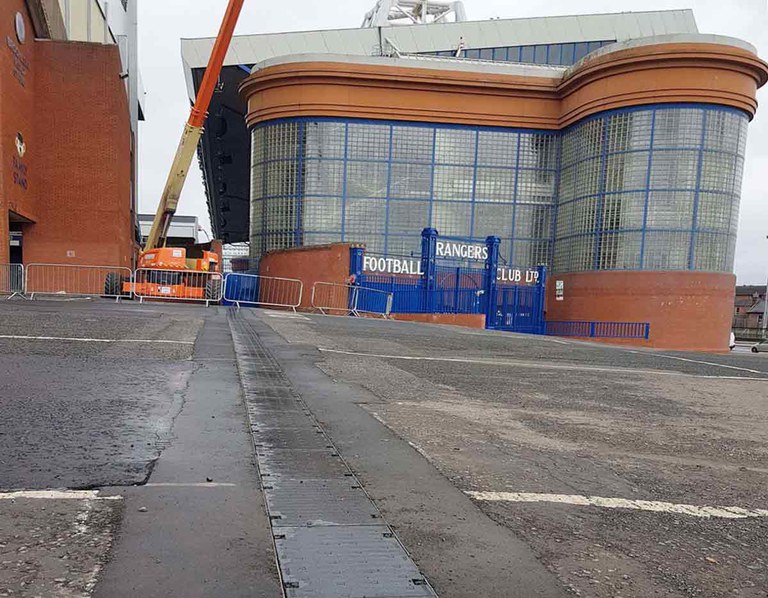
<point>527,54</point>
<point>581,49</point>
<point>564,54</point>
<point>647,188</point>
<point>555,54</point>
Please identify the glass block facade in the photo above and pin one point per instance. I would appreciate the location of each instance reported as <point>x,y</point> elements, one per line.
<point>649,189</point>
<point>566,54</point>
<point>324,181</point>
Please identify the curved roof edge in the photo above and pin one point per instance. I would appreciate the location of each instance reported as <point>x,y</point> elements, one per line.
<point>655,40</point>
<point>423,62</point>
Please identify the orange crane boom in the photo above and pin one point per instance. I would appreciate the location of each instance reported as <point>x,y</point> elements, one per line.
<point>193,130</point>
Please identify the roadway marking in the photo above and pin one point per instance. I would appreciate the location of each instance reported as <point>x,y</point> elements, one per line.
<point>56,495</point>
<point>720,365</point>
<point>544,366</point>
<point>93,340</point>
<point>620,503</point>
<point>285,314</point>
<point>189,485</point>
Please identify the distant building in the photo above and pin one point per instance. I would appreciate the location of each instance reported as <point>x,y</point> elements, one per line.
<point>69,110</point>
<point>608,147</point>
<point>184,230</point>
<point>756,314</point>
<point>749,306</point>
<point>234,252</point>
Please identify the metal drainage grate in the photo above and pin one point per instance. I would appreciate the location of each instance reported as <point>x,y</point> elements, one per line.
<point>346,561</point>
<point>319,502</point>
<point>330,539</point>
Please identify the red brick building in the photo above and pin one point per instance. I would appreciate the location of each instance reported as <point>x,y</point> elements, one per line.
<point>66,174</point>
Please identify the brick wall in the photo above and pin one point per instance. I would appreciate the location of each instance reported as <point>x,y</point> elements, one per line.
<point>16,116</point>
<point>688,311</point>
<point>73,113</point>
<point>326,263</point>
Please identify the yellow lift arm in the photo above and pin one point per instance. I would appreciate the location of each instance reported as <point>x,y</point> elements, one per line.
<point>193,130</point>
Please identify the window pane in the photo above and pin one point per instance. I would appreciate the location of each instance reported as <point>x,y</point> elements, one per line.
<point>412,144</point>
<point>540,55</point>
<point>580,51</point>
<point>455,146</point>
<point>367,179</point>
<point>408,217</point>
<point>493,219</point>
<point>667,251</point>
<point>452,219</point>
<point>526,54</point>
<point>567,57</point>
<point>453,183</point>
<point>594,46</point>
<point>555,53</point>
<point>324,139</point>
<point>495,184</point>
<point>323,177</point>
<point>500,54</point>
<point>322,214</point>
<point>497,149</point>
<point>410,181</point>
<point>368,142</point>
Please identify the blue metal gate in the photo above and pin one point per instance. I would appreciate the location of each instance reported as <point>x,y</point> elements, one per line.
<point>452,285</point>
<point>519,309</point>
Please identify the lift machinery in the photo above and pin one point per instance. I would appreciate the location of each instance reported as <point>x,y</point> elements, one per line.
<point>175,271</point>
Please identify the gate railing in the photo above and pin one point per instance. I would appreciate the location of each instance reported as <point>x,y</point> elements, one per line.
<point>67,280</point>
<point>630,330</point>
<point>11,280</point>
<point>263,291</point>
<point>331,298</point>
<point>178,285</point>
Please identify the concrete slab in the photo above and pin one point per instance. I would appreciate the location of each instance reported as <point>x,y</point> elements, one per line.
<point>199,538</point>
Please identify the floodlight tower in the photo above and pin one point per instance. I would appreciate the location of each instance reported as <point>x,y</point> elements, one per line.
<point>414,12</point>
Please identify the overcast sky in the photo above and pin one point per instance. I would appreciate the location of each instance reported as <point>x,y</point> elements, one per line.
<point>163,23</point>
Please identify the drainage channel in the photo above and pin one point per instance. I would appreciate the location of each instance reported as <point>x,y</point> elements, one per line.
<point>330,539</point>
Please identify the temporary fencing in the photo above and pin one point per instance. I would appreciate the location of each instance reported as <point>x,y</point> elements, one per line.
<point>178,285</point>
<point>263,291</point>
<point>345,299</point>
<point>11,280</point>
<point>371,301</point>
<point>67,280</point>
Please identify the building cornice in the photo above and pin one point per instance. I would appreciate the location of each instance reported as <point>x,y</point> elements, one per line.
<point>670,72</point>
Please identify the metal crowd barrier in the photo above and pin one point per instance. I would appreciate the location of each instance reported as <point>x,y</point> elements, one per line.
<point>263,291</point>
<point>331,298</point>
<point>632,330</point>
<point>371,301</point>
<point>67,280</point>
<point>12,280</point>
<point>178,285</point>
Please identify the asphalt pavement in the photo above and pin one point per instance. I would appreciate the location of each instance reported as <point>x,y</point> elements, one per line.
<point>127,467</point>
<point>135,441</point>
<point>625,472</point>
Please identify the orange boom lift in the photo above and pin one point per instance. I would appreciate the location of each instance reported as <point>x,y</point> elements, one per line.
<point>176,265</point>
